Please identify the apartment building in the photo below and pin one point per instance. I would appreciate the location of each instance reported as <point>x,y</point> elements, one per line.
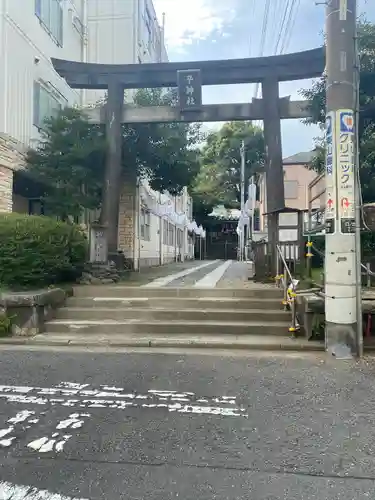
<point>123,32</point>
<point>297,177</point>
<point>128,32</point>
<point>100,31</point>
<point>31,32</point>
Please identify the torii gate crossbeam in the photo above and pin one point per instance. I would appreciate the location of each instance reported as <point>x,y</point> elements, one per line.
<point>269,71</point>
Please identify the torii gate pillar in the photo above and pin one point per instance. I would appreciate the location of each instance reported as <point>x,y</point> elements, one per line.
<point>274,162</point>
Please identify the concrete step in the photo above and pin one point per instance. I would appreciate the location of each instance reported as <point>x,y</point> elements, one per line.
<point>176,303</point>
<point>179,341</point>
<point>167,292</point>
<point>105,326</point>
<point>171,314</point>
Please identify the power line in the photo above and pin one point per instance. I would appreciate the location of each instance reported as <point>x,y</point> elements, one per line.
<point>290,24</point>
<point>287,8</point>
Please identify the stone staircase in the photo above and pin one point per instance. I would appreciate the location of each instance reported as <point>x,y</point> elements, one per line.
<point>117,315</point>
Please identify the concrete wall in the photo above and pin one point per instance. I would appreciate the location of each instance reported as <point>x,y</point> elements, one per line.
<point>26,47</point>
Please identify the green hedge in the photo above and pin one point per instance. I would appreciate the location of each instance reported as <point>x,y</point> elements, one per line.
<point>39,251</point>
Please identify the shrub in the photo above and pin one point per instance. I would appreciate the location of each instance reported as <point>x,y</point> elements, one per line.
<point>5,324</point>
<point>39,251</point>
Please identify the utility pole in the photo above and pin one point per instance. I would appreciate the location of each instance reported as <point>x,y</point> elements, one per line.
<point>342,248</point>
<point>242,191</point>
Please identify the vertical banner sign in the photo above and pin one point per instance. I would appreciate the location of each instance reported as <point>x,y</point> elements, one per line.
<point>189,83</point>
<point>331,186</point>
<point>345,170</point>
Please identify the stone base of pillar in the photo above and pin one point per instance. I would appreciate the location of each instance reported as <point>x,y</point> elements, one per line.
<point>118,258</point>
<point>341,340</point>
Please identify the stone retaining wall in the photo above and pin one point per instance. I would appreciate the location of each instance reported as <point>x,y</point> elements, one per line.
<point>12,157</point>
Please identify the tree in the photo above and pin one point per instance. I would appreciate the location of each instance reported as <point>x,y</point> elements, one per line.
<point>70,159</point>
<point>218,181</point>
<point>165,153</point>
<point>317,98</point>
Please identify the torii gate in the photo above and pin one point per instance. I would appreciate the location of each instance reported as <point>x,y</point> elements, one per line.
<point>269,71</point>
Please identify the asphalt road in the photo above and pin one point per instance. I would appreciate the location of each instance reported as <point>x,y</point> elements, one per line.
<point>160,427</point>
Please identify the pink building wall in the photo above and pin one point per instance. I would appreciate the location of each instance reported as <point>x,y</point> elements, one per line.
<point>297,177</point>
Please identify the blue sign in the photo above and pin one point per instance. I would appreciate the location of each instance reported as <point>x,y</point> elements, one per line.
<point>346,122</point>
<point>329,164</point>
<point>328,126</point>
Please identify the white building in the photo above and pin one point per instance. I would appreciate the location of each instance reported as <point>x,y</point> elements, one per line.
<point>124,32</point>
<point>31,32</point>
<point>164,223</point>
<point>128,32</point>
<point>101,31</point>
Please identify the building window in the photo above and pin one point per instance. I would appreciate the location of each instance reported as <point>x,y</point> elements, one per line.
<point>291,189</point>
<point>171,232</point>
<point>148,22</point>
<point>165,232</point>
<point>180,237</point>
<point>51,17</point>
<point>145,224</point>
<point>45,104</point>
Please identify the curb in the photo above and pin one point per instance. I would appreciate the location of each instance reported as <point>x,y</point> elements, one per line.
<point>164,343</point>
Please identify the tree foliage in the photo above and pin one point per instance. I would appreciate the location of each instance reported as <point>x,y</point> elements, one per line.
<point>70,158</point>
<point>69,161</point>
<point>317,97</point>
<point>218,181</point>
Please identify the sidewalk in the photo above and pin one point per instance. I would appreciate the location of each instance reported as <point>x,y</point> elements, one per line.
<point>237,276</point>
<point>148,274</point>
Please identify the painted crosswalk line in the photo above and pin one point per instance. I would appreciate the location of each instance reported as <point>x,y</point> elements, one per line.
<point>10,491</point>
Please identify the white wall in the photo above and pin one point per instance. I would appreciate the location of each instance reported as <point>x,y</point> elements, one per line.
<point>156,249</point>
<point>118,34</point>
<point>25,52</point>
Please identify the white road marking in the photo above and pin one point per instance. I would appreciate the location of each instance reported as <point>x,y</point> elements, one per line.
<point>57,441</point>
<point>211,279</point>
<point>9,491</point>
<point>109,388</point>
<point>21,417</point>
<point>85,398</point>
<point>120,299</point>
<point>4,432</point>
<point>6,443</point>
<point>159,282</point>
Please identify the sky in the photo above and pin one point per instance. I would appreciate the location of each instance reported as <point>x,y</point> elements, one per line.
<point>222,29</point>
